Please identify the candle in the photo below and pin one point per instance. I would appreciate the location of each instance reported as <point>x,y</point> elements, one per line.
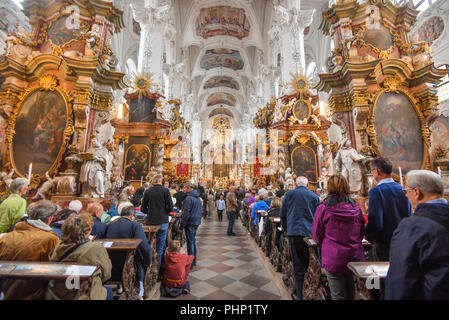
<point>320,184</point>
<point>29,172</point>
<point>439,171</point>
<point>400,176</point>
<point>121,183</point>
<point>141,180</point>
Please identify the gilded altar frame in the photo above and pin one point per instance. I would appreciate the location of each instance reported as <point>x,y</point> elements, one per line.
<point>295,118</point>
<point>314,154</point>
<point>126,160</point>
<point>47,83</point>
<point>392,86</point>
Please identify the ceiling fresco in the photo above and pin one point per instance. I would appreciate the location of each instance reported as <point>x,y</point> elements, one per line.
<point>221,98</point>
<point>221,111</point>
<point>226,58</point>
<point>221,81</point>
<point>222,21</point>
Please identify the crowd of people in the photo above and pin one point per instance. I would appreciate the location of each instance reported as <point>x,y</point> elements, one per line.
<point>407,226</point>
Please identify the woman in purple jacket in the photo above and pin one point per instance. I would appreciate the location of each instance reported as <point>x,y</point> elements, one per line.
<point>338,228</point>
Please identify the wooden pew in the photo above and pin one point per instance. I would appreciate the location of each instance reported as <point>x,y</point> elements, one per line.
<point>314,279</point>
<point>287,265</point>
<point>47,271</point>
<point>364,271</point>
<point>263,241</point>
<point>276,248</point>
<point>152,272</point>
<point>128,272</point>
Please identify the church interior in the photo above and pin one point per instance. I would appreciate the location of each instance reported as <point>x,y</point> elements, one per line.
<point>102,97</point>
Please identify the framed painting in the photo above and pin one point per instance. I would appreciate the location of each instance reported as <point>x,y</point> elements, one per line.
<point>41,126</point>
<point>440,137</point>
<point>302,110</point>
<point>59,32</point>
<point>304,163</point>
<point>137,162</point>
<point>396,124</point>
<point>379,38</point>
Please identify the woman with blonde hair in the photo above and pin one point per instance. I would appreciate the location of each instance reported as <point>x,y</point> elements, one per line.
<point>76,247</point>
<point>338,228</point>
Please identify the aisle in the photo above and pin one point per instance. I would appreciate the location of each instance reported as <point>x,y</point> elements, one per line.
<point>227,266</point>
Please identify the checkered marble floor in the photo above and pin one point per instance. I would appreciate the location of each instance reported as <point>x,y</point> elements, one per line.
<point>227,267</point>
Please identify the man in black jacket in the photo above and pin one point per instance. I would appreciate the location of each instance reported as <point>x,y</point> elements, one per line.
<point>191,218</point>
<point>419,258</point>
<point>126,228</point>
<point>157,204</point>
<point>179,196</point>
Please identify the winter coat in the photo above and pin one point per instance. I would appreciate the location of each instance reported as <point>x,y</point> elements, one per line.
<point>231,202</point>
<point>175,269</point>
<point>124,228</point>
<point>98,228</point>
<point>157,204</point>
<point>298,208</point>
<point>419,257</point>
<point>338,228</point>
<point>89,253</point>
<point>211,203</point>
<point>191,210</point>
<point>260,205</point>
<point>27,243</point>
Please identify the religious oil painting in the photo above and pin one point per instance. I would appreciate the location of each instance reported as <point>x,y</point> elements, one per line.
<point>222,21</point>
<point>142,110</point>
<point>221,81</point>
<point>302,110</point>
<point>137,162</point>
<point>440,136</point>
<point>224,58</point>
<point>221,98</point>
<point>39,128</point>
<point>398,131</point>
<point>60,31</point>
<point>304,163</point>
<point>431,30</point>
<point>379,37</point>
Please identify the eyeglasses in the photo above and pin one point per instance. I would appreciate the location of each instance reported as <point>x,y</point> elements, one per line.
<point>405,190</point>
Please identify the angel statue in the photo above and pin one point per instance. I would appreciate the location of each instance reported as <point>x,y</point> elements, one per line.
<point>7,178</point>
<point>92,175</point>
<point>165,111</point>
<point>289,183</point>
<point>348,164</point>
<point>45,188</point>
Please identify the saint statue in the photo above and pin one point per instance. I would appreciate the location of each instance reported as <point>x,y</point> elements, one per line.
<point>92,175</point>
<point>348,164</point>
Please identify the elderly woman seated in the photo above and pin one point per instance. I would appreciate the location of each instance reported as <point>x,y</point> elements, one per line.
<point>76,247</point>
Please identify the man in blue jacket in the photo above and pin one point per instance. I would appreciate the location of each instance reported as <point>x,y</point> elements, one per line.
<point>297,211</point>
<point>126,228</point>
<point>419,255</point>
<point>387,206</point>
<point>191,218</point>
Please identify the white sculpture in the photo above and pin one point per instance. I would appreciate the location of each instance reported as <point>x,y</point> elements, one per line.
<point>7,178</point>
<point>348,164</point>
<point>45,188</point>
<point>92,175</point>
<point>289,183</point>
<point>165,110</point>
<point>323,180</point>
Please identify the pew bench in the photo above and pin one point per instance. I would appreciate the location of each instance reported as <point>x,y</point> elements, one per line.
<point>315,281</point>
<point>47,271</point>
<point>368,276</point>
<point>122,252</point>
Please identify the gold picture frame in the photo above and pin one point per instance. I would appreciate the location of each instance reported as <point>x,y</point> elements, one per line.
<point>292,164</point>
<point>47,84</point>
<point>424,130</point>
<point>139,148</point>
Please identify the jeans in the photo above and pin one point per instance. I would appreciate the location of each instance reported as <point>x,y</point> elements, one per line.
<point>161,237</point>
<point>231,218</point>
<point>109,294</point>
<point>300,260</point>
<point>220,215</point>
<point>191,241</point>
<point>341,285</point>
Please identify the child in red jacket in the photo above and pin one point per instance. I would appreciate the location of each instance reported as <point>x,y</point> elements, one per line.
<point>177,268</point>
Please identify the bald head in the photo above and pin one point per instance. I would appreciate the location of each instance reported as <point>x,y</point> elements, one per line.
<point>95,209</point>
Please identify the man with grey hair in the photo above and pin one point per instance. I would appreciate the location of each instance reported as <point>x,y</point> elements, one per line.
<point>13,209</point>
<point>297,211</point>
<point>419,256</point>
<point>32,240</point>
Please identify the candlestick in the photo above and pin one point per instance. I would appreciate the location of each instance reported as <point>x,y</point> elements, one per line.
<point>400,176</point>
<point>439,171</point>
<point>30,167</point>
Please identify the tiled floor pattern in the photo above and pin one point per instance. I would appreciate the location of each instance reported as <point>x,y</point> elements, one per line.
<point>227,266</point>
